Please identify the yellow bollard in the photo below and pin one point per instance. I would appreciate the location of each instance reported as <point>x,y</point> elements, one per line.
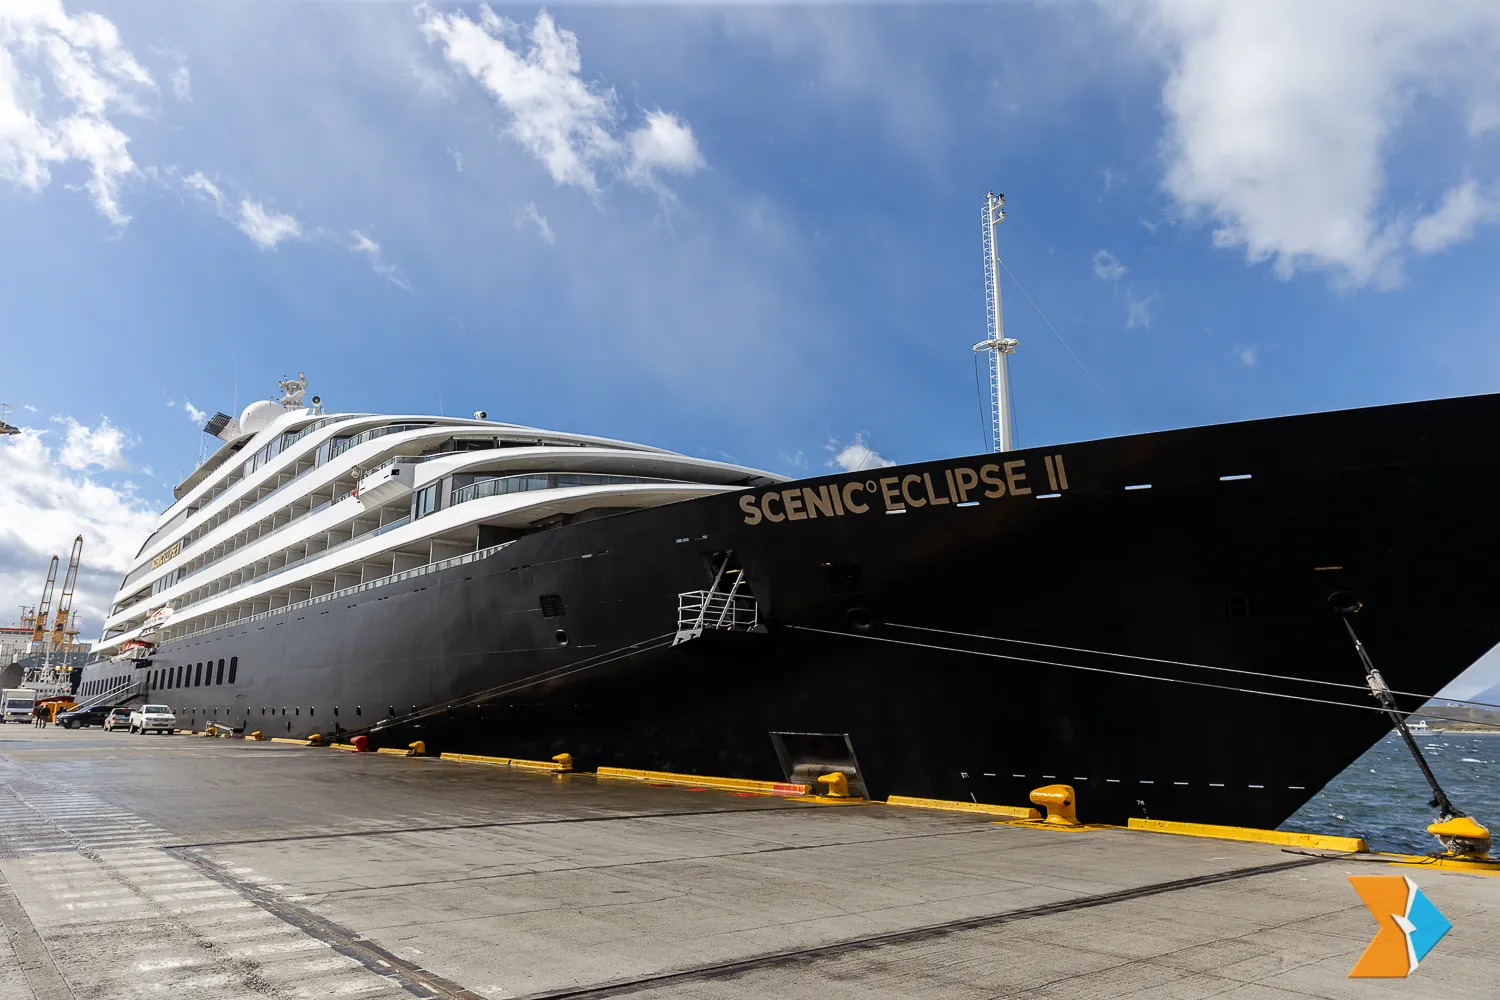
<point>1463,836</point>
<point>838,785</point>
<point>257,735</point>
<point>317,740</point>
<point>416,749</point>
<point>1060,803</point>
<point>564,761</point>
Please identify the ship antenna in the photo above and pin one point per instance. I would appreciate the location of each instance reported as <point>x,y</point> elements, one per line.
<point>997,344</point>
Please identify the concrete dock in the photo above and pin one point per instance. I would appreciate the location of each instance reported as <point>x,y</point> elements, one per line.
<point>140,866</point>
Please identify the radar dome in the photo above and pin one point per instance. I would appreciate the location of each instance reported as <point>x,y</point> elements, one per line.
<point>259,415</point>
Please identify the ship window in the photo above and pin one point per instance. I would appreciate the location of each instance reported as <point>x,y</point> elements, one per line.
<point>234,667</point>
<point>219,677</point>
<point>335,711</point>
<point>359,710</point>
<point>198,676</point>
<point>552,606</point>
<point>179,675</point>
<point>425,502</point>
<point>1239,609</point>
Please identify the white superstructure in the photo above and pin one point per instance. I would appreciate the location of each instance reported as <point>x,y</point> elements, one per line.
<point>298,504</point>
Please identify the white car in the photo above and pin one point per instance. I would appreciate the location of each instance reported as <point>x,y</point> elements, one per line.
<point>153,717</point>
<point>118,718</point>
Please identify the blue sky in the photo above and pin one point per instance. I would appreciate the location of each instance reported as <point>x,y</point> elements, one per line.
<point>746,232</point>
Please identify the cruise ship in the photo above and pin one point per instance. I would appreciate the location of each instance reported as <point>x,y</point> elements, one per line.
<point>1157,619</point>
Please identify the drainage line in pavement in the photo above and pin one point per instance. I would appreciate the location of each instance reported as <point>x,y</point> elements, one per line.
<point>839,948</point>
<point>408,975</point>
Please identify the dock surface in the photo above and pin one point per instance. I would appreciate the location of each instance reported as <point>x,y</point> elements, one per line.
<point>140,866</point>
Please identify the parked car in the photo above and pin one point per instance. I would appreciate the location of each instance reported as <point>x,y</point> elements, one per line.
<point>79,717</point>
<point>157,718</point>
<point>118,718</point>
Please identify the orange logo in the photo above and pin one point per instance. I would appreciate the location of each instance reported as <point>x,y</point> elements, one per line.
<point>1409,926</point>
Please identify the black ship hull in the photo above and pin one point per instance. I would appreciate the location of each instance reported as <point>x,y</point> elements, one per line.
<point>920,611</point>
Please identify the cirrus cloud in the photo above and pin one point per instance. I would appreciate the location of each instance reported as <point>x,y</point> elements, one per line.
<point>570,124</point>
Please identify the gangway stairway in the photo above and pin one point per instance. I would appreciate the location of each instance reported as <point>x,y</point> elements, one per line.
<point>727,605</point>
<point>117,696</point>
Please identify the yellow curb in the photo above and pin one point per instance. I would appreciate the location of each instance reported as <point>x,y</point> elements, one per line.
<point>470,758</point>
<point>536,765</point>
<point>701,781</point>
<point>282,739</point>
<point>345,746</point>
<point>980,808</point>
<point>1353,845</point>
<point>394,751</point>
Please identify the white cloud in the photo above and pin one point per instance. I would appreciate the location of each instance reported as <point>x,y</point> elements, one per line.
<point>855,455</point>
<point>46,502</point>
<point>266,227</point>
<point>568,123</point>
<point>363,244</point>
<point>194,414</point>
<point>1463,207</point>
<point>182,83</point>
<point>86,446</point>
<point>91,74</point>
<point>458,160</point>
<point>1107,266</point>
<point>1280,113</point>
<point>28,407</point>
<point>1247,356</point>
<point>665,143</point>
<point>1140,312</point>
<point>197,182</point>
<point>530,214</point>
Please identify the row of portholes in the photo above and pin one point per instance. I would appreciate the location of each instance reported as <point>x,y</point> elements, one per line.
<point>191,675</point>
<point>312,711</point>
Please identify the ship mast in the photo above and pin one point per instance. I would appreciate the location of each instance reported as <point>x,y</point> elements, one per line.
<point>997,344</point>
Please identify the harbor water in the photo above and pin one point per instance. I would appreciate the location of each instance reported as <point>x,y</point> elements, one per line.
<point>1383,797</point>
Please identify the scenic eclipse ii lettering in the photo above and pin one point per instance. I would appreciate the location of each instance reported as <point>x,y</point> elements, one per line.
<point>958,484</point>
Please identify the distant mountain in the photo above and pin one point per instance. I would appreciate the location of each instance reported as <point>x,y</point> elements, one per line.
<point>1490,696</point>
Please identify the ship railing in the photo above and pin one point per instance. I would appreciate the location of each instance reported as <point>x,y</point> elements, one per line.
<point>384,581</point>
<point>116,696</point>
<point>698,610</point>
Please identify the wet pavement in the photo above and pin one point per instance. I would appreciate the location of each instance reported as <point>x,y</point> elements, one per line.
<point>132,866</point>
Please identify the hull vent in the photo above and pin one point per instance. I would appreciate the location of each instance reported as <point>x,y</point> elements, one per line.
<point>552,606</point>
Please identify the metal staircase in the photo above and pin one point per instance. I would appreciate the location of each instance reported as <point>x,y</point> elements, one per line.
<point>118,696</point>
<point>728,605</point>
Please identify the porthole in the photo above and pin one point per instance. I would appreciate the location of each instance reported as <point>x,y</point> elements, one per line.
<point>312,711</point>
<point>561,637</point>
<point>289,726</point>
<point>392,710</point>
<point>860,618</point>
<point>359,710</point>
<point>335,711</point>
<point>262,710</point>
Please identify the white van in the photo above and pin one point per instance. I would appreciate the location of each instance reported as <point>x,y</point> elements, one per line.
<point>16,704</point>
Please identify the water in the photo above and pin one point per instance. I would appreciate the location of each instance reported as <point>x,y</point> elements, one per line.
<point>1383,797</point>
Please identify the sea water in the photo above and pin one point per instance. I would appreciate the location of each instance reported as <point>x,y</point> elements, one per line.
<point>1383,797</point>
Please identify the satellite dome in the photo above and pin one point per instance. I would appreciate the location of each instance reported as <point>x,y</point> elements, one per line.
<point>259,415</point>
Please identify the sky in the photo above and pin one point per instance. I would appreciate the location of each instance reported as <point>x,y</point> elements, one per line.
<point>744,232</point>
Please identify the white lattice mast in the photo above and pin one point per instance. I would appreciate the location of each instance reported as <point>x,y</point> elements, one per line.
<point>997,345</point>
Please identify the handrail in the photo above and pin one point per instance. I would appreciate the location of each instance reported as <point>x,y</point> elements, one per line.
<point>406,574</point>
